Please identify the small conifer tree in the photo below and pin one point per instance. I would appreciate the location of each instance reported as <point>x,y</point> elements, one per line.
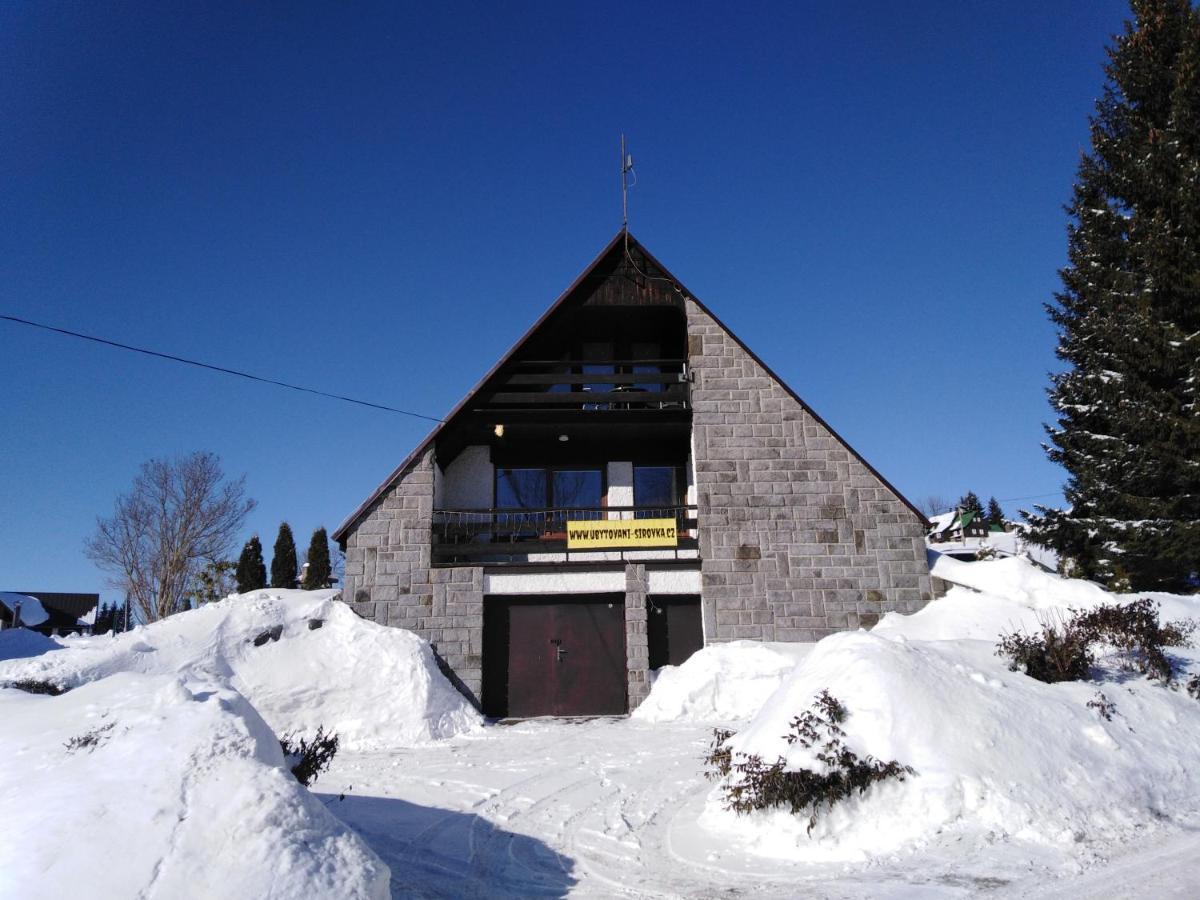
<point>104,619</point>
<point>318,572</point>
<point>283,563</point>
<point>251,570</point>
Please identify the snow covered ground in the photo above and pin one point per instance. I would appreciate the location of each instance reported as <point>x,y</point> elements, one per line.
<point>1022,789</point>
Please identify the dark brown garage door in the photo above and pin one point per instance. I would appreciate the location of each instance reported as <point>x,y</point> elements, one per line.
<point>673,628</point>
<point>554,655</point>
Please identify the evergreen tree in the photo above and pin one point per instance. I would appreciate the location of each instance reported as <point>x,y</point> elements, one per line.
<point>319,571</point>
<point>970,503</point>
<point>104,619</point>
<point>117,622</point>
<point>251,570</point>
<point>995,515</point>
<point>283,563</point>
<point>1128,316</point>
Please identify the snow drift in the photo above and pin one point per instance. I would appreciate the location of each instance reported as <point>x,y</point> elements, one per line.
<point>997,753</point>
<point>163,786</point>
<point>720,683</point>
<point>302,659</point>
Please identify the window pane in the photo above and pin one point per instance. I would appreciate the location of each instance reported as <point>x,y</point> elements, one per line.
<point>654,486</point>
<point>520,488</point>
<point>577,487</point>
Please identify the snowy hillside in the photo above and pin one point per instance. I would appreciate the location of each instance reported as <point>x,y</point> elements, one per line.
<point>163,786</point>
<point>302,658</point>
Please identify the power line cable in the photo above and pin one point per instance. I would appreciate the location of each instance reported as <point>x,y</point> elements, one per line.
<point>209,366</point>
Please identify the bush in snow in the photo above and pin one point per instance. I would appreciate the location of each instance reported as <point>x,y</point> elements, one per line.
<point>1065,651</point>
<point>308,759</point>
<point>754,785</point>
<point>36,686</point>
<point>1193,687</point>
<point>90,740</point>
<point>1062,652</point>
<point>1134,630</point>
<point>1103,706</point>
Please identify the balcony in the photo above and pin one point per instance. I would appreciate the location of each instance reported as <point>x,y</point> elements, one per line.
<point>640,387</point>
<point>497,537</point>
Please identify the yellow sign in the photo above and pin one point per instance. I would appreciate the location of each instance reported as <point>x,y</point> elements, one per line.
<point>621,533</point>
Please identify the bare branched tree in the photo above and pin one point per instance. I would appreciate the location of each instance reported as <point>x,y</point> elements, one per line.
<point>934,504</point>
<point>179,516</point>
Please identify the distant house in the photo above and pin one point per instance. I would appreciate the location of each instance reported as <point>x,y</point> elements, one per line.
<point>50,613</point>
<point>628,484</point>
<point>957,526</point>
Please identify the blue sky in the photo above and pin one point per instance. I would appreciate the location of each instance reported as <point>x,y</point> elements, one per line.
<point>377,201</point>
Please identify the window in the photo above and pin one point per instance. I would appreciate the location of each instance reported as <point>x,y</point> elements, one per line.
<point>520,488</point>
<point>576,487</point>
<point>660,487</point>
<point>541,488</point>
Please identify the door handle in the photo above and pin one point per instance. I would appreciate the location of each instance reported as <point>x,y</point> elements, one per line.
<point>558,650</point>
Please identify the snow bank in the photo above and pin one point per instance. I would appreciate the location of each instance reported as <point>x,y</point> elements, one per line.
<point>317,664</point>
<point>21,643</point>
<point>996,596</point>
<point>997,753</point>
<point>720,683</point>
<point>182,793</point>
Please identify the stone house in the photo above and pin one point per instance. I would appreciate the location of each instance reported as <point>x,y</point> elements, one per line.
<point>628,483</point>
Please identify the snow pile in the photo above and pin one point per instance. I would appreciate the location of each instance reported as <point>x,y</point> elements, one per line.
<point>302,658</point>
<point>998,754</point>
<point>21,643</point>
<point>720,683</point>
<point>185,777</point>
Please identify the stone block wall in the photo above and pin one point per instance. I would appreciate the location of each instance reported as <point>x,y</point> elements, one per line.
<point>389,579</point>
<point>798,538</point>
<point>637,642</point>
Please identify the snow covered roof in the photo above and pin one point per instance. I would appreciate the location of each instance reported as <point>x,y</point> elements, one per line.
<point>32,611</point>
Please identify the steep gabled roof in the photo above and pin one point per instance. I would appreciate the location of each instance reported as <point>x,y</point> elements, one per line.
<point>622,238</point>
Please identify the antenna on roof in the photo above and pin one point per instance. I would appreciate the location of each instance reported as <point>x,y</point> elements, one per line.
<point>626,170</point>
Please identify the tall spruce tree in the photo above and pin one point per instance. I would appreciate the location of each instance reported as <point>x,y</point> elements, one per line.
<point>995,515</point>
<point>318,572</point>
<point>970,503</point>
<point>1128,420</point>
<point>283,562</point>
<point>251,570</point>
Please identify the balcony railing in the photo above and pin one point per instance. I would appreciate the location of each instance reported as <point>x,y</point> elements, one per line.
<point>625,385</point>
<point>468,537</point>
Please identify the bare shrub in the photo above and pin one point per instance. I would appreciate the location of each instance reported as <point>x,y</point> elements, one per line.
<point>1103,706</point>
<point>1065,650</point>
<point>90,740</point>
<point>309,758</point>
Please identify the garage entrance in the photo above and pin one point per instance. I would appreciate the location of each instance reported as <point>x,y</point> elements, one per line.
<point>560,655</point>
